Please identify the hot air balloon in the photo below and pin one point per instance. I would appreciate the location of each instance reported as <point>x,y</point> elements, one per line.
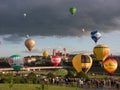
<point>16,62</point>
<point>58,53</point>
<point>101,51</point>
<point>25,14</point>
<point>29,43</point>
<point>95,35</point>
<point>82,62</point>
<point>65,49</point>
<point>83,30</point>
<point>110,65</point>
<point>0,42</point>
<point>27,36</point>
<point>45,54</point>
<point>55,60</point>
<point>73,10</point>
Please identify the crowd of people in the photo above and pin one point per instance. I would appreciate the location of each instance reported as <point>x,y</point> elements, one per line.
<point>84,83</point>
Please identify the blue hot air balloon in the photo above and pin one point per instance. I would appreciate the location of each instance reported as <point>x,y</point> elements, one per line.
<point>95,35</point>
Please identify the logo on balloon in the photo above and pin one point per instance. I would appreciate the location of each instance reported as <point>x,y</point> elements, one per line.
<point>110,65</point>
<point>55,60</point>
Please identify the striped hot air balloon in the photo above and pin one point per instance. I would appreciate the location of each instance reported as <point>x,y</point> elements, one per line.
<point>101,51</point>
<point>16,62</point>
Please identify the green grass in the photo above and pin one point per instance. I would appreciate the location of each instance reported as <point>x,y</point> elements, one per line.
<point>103,76</point>
<point>36,87</point>
<point>98,76</point>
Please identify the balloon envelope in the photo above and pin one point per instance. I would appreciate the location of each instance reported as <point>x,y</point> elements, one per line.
<point>82,62</point>
<point>24,14</point>
<point>29,43</point>
<point>55,60</point>
<point>110,65</point>
<point>83,30</point>
<point>45,53</point>
<point>27,36</point>
<point>95,35</point>
<point>73,10</point>
<point>64,49</point>
<point>16,61</point>
<point>101,51</point>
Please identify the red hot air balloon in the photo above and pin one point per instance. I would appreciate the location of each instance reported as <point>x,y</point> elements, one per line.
<point>55,60</point>
<point>110,65</point>
<point>83,30</point>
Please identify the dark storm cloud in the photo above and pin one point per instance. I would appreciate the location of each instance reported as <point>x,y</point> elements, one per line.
<point>14,38</point>
<point>52,17</point>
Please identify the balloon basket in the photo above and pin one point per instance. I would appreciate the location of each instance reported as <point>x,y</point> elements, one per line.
<point>101,63</point>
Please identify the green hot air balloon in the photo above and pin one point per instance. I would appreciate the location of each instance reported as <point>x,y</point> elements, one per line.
<point>16,62</point>
<point>73,10</point>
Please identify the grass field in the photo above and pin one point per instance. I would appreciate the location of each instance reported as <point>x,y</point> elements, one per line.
<point>36,87</point>
<point>103,76</point>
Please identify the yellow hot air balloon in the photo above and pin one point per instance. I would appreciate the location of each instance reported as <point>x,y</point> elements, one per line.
<point>110,65</point>
<point>101,51</point>
<point>29,43</point>
<point>82,62</point>
<point>45,54</point>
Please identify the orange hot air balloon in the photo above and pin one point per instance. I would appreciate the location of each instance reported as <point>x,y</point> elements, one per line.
<point>65,49</point>
<point>110,65</point>
<point>101,51</point>
<point>55,60</point>
<point>82,62</point>
<point>29,43</point>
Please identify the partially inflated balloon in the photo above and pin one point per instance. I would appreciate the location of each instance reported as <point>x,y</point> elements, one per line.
<point>101,51</point>
<point>73,10</point>
<point>16,61</point>
<point>45,54</point>
<point>55,60</point>
<point>29,43</point>
<point>110,65</point>
<point>82,62</point>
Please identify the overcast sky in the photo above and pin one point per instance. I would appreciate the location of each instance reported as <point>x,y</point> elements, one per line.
<point>51,18</point>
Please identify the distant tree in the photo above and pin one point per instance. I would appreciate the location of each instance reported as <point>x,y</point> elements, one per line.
<point>32,78</point>
<point>50,75</point>
<point>70,74</point>
<point>82,75</point>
